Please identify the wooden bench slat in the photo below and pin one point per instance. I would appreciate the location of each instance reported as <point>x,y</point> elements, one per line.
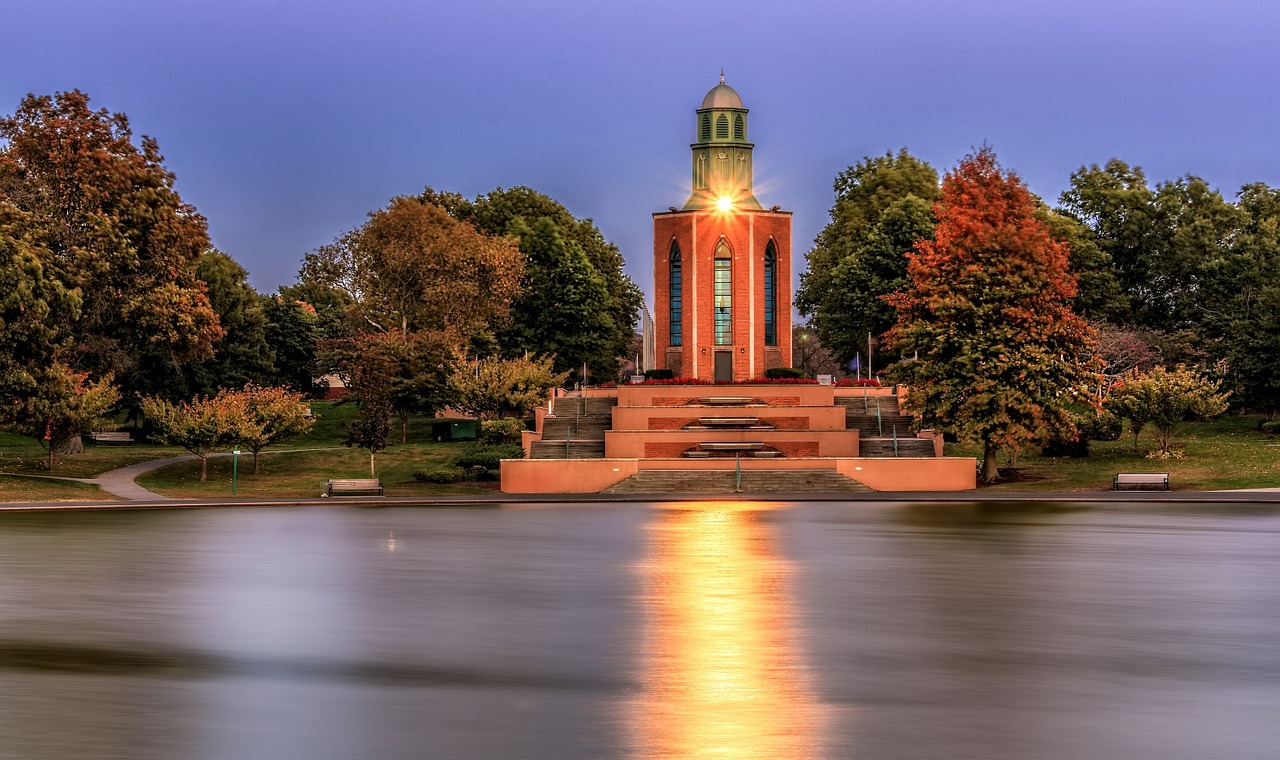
<point>354,486</point>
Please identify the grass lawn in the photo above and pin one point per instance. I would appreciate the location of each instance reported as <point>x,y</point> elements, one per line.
<point>293,472</point>
<point>295,468</point>
<point>16,489</point>
<point>1223,454</point>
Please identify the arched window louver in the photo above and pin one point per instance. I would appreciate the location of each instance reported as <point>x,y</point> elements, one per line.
<point>674,302</point>
<point>770,295</point>
<point>739,128</point>
<point>704,133</point>
<point>722,127</point>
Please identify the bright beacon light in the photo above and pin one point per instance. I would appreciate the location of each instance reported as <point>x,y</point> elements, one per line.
<point>724,203</point>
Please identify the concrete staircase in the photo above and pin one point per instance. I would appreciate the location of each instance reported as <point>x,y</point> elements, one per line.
<point>723,481</point>
<point>575,429</point>
<point>878,421</point>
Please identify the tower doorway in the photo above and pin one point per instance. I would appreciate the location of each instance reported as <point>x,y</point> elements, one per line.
<point>724,367</point>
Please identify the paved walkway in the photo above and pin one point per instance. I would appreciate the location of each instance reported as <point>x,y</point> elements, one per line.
<point>121,482</point>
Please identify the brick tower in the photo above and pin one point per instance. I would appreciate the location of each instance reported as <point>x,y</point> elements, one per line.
<point>722,263</point>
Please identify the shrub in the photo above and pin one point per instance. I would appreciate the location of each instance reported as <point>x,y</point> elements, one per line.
<point>487,457</point>
<point>1271,428</point>
<point>442,475</point>
<point>1063,447</point>
<point>498,432</point>
<point>1101,427</point>
<point>776,373</point>
<point>659,374</point>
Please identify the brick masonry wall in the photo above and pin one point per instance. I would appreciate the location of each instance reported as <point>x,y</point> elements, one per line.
<point>747,233</point>
<point>666,449</point>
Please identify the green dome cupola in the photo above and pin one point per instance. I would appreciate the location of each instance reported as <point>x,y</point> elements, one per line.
<point>722,155</point>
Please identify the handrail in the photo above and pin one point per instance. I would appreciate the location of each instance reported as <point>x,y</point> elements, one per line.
<point>895,441</point>
<point>737,483</point>
<point>879,420</point>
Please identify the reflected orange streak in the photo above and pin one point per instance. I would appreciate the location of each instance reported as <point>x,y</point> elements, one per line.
<point>722,677</point>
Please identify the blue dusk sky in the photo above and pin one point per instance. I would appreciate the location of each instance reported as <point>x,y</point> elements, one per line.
<point>287,121</point>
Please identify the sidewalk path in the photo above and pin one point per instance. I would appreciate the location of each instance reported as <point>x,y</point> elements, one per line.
<point>121,482</point>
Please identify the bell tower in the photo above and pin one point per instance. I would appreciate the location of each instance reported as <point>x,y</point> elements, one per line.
<point>722,262</point>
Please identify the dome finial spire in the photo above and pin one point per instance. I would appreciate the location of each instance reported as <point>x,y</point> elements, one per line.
<point>721,75</point>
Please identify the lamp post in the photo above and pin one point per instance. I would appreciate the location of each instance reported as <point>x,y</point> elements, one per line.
<point>235,467</point>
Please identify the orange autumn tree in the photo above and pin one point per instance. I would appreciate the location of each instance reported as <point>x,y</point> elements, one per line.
<point>987,314</point>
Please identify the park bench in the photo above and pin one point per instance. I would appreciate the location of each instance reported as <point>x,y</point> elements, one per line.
<point>121,436</point>
<point>354,487</point>
<point>1140,479</point>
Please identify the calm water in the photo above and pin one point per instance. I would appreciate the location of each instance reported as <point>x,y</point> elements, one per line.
<point>713,630</point>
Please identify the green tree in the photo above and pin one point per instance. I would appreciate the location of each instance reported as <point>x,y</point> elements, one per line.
<point>556,267</point>
<point>243,355</point>
<point>1239,301</point>
<point>559,311</point>
<point>1116,203</point>
<point>33,302</point>
<point>277,414</point>
<point>1000,353</point>
<point>292,330</point>
<point>203,425</point>
<point>117,232</point>
<point>882,208</point>
<point>1167,401</point>
<point>494,388</point>
<point>61,405</point>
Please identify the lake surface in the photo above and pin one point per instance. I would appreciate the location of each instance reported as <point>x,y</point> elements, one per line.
<point>723,630</point>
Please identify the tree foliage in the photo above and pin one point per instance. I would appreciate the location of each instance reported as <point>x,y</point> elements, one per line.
<point>33,302</point>
<point>987,311</point>
<point>576,303</point>
<point>493,388</point>
<point>203,425</point>
<point>1166,400</point>
<point>60,406</point>
<point>115,230</point>
<point>291,329</point>
<point>277,414</point>
<point>414,268</point>
<point>882,208</point>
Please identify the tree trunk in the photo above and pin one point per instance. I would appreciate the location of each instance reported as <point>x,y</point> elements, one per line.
<point>73,445</point>
<point>372,474</point>
<point>49,464</point>
<point>255,463</point>
<point>404,427</point>
<point>204,467</point>
<point>990,469</point>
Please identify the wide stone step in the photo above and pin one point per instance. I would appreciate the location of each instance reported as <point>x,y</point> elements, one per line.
<point>575,406</point>
<point>558,428</point>
<point>884,447</point>
<point>725,481</point>
<point>858,405</point>
<point>575,449</point>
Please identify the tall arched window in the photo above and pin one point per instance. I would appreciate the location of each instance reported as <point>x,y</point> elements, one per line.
<point>705,132</point>
<point>739,128</point>
<point>674,301</point>
<point>770,295</point>
<point>722,127</point>
<point>722,295</point>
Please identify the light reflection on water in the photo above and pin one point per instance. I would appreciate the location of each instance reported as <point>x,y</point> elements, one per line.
<point>577,632</point>
<point>722,673</point>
